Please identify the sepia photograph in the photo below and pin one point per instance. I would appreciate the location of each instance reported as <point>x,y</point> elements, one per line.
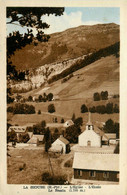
<point>63,95</point>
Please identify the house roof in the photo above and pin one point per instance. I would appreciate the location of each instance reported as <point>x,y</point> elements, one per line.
<point>30,134</point>
<point>94,161</point>
<point>62,139</point>
<point>33,140</point>
<point>17,129</point>
<point>108,136</point>
<point>39,137</point>
<point>68,123</point>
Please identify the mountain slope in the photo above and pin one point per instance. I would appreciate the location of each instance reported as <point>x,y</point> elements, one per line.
<point>100,75</point>
<point>68,44</point>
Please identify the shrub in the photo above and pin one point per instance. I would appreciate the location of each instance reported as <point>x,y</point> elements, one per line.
<point>50,97</point>
<point>68,163</point>
<point>22,167</point>
<point>10,109</point>
<point>92,109</point>
<point>52,179</point>
<point>40,98</point>
<point>39,111</point>
<point>104,95</point>
<point>96,96</point>
<point>84,108</point>
<point>11,136</point>
<point>116,109</point>
<point>62,120</point>
<point>24,138</point>
<point>51,108</point>
<point>109,108</point>
<point>30,99</point>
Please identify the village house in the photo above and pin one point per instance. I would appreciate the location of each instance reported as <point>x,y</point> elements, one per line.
<point>95,168</point>
<point>68,123</point>
<point>109,138</point>
<point>36,140</point>
<point>18,130</point>
<point>61,145</point>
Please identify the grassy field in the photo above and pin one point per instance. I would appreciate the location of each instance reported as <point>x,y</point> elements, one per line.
<point>36,162</point>
<point>99,76</point>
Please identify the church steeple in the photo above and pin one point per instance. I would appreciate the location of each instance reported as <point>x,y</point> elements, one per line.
<point>89,125</point>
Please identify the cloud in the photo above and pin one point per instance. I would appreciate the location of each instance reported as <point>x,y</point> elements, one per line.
<point>61,23</point>
<point>57,23</point>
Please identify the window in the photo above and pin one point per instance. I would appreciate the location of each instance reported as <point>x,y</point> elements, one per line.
<point>80,173</point>
<point>92,173</point>
<point>106,174</point>
<point>88,143</point>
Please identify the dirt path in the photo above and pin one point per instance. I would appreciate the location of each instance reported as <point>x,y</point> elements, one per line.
<point>68,157</point>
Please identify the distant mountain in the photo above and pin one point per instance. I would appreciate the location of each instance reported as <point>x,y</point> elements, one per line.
<point>68,44</point>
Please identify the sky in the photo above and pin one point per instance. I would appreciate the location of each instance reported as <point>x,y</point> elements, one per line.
<point>75,16</point>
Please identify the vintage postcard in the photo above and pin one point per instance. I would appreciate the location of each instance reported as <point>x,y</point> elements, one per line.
<point>63,97</point>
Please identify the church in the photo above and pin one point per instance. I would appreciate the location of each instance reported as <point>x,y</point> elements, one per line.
<point>91,136</point>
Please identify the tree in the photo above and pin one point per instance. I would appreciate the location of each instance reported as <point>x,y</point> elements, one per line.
<point>116,108</point>
<point>96,96</point>
<point>72,133</point>
<point>31,18</point>
<point>11,136</point>
<point>73,117</point>
<point>40,98</point>
<point>51,108</point>
<point>116,130</point>
<point>104,95</point>
<point>109,126</point>
<point>24,138</point>
<point>62,120</point>
<point>50,97</point>
<point>30,99</point>
<point>78,121</point>
<point>47,139</point>
<point>101,109</point>
<point>109,108</point>
<point>84,108</point>
<point>92,109</point>
<point>55,135</point>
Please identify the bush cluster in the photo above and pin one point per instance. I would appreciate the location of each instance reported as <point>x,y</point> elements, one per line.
<point>102,109</point>
<point>66,78</point>
<point>41,98</point>
<point>21,109</point>
<point>100,96</point>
